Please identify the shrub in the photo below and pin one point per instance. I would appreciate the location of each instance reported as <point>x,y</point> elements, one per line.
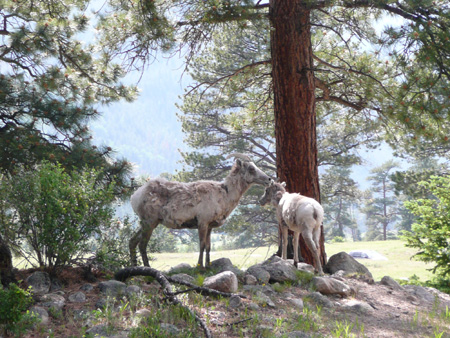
<point>56,213</point>
<point>431,231</point>
<point>14,301</point>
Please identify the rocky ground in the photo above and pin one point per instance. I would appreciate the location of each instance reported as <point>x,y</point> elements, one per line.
<point>275,301</point>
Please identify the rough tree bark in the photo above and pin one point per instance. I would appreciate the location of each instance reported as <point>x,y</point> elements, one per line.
<point>294,102</point>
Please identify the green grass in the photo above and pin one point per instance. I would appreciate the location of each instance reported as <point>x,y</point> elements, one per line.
<point>398,266</point>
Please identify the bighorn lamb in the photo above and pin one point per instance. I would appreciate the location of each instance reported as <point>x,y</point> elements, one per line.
<point>297,213</point>
<point>201,205</point>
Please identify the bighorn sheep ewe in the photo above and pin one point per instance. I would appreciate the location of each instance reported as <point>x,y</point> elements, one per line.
<point>297,213</point>
<point>201,205</point>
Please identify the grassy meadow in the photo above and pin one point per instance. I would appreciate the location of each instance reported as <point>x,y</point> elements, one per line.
<point>399,264</point>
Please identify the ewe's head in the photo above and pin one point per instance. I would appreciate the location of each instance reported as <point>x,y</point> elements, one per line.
<point>249,172</point>
<point>273,194</point>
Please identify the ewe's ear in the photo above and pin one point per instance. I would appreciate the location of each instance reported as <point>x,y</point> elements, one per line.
<point>283,184</point>
<point>237,166</point>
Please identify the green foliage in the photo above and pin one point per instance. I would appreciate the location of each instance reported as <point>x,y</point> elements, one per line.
<point>14,301</point>
<point>56,213</point>
<point>339,197</point>
<point>431,232</point>
<point>51,84</point>
<point>381,206</point>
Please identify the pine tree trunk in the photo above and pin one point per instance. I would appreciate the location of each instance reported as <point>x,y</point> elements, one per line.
<point>294,102</point>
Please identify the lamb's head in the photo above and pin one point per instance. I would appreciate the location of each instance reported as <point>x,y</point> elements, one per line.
<point>249,172</point>
<point>273,194</point>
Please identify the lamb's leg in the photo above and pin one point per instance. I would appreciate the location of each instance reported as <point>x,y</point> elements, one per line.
<point>295,243</point>
<point>284,235</point>
<point>208,247</point>
<point>308,237</point>
<point>147,230</point>
<point>134,241</point>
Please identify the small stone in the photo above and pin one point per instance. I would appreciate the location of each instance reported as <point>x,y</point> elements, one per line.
<point>78,297</point>
<point>235,302</point>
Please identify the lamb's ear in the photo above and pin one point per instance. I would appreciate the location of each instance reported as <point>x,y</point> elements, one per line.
<point>278,196</point>
<point>283,184</point>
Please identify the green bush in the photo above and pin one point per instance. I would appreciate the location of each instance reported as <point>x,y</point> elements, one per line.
<point>14,302</point>
<point>431,232</point>
<point>56,213</point>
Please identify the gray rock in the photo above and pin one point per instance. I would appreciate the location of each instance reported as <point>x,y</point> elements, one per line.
<point>225,281</point>
<point>235,302</point>
<point>101,303</point>
<point>112,288</point>
<point>331,286</point>
<point>77,297</point>
<point>253,306</point>
<point>263,299</point>
<point>267,289</point>
<point>421,293</point>
<point>305,267</point>
<point>345,262</point>
<point>87,287</point>
<point>145,313</point>
<point>40,282</point>
<point>297,302</point>
<point>53,300</point>
<point>40,313</point>
<point>183,278</point>
<point>222,264</point>
<point>390,282</point>
<point>251,280</point>
<point>132,290</point>
<point>171,329</point>
<point>100,330</point>
<point>321,300</point>
<point>180,267</point>
<point>261,275</point>
<point>281,271</point>
<point>298,334</point>
<point>361,308</point>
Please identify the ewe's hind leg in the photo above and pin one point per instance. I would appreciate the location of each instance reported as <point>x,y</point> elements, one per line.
<point>134,241</point>
<point>147,229</point>
<point>308,237</point>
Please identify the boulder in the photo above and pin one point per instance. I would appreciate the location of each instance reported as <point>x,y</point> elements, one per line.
<point>222,264</point>
<point>183,278</point>
<point>261,275</point>
<point>321,300</point>
<point>179,268</point>
<point>40,282</point>
<point>360,308</point>
<point>251,280</point>
<point>225,281</point>
<point>331,286</point>
<point>53,300</point>
<point>235,302</point>
<point>281,271</point>
<point>77,297</point>
<point>40,313</point>
<point>112,288</point>
<point>345,262</point>
<point>391,283</point>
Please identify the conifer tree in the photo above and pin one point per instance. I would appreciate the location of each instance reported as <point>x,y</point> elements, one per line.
<point>52,84</point>
<point>321,53</point>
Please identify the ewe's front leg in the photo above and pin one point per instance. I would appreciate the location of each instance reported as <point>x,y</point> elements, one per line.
<point>295,246</point>
<point>208,248</point>
<point>147,230</point>
<point>202,236</point>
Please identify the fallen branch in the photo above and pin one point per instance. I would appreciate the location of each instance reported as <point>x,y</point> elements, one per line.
<point>123,274</point>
